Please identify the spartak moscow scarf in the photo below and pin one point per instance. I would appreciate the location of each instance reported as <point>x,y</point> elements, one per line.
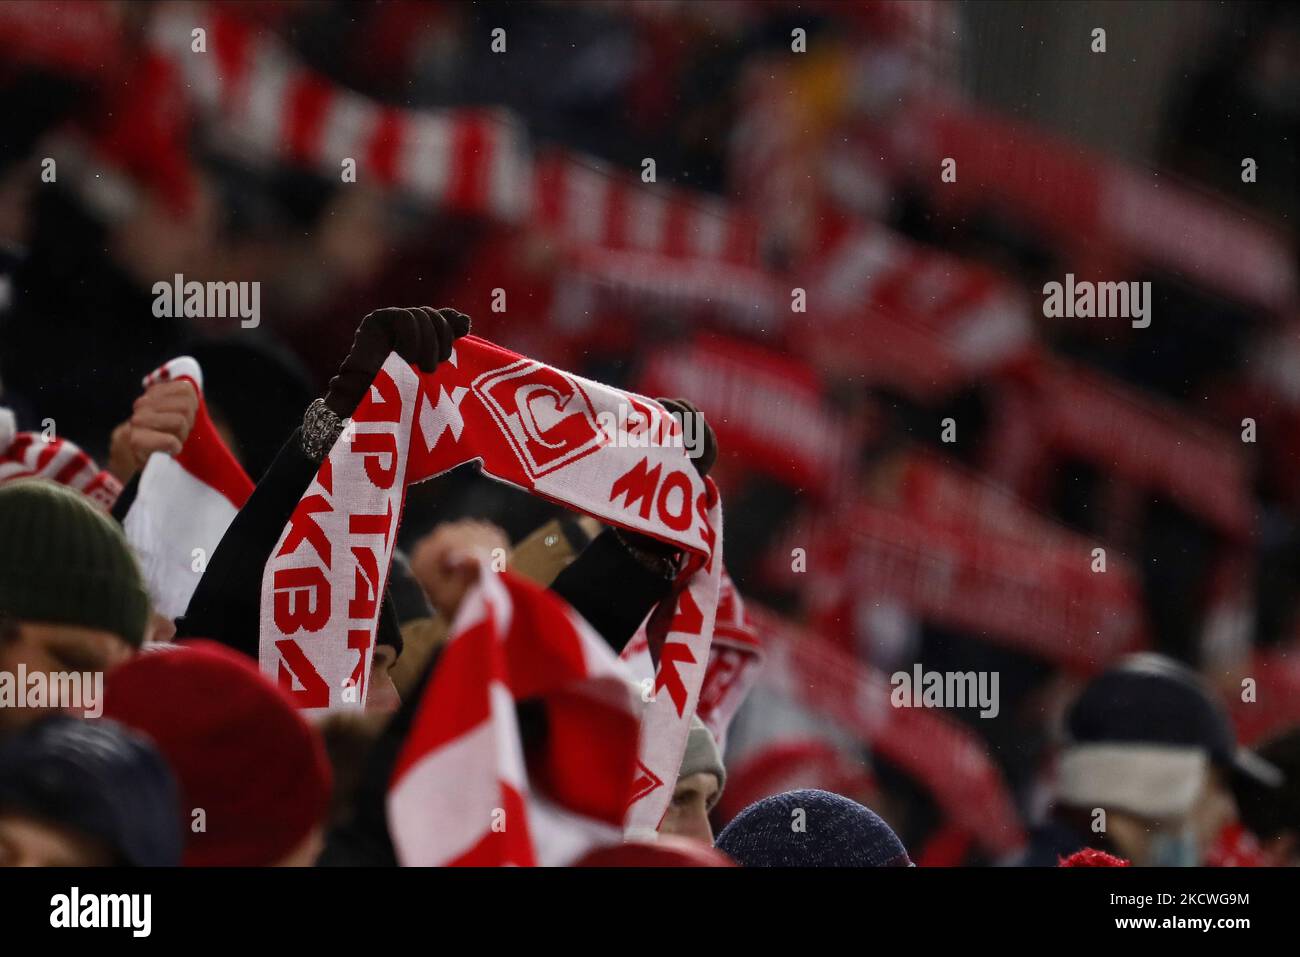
<point>735,659</point>
<point>611,454</point>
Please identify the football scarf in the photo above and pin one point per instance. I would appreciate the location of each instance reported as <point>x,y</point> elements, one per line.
<point>468,788</point>
<point>611,454</point>
<point>183,504</point>
<point>735,659</point>
<point>42,455</point>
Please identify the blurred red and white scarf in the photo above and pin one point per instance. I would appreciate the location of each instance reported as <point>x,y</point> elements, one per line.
<point>34,455</point>
<point>576,442</point>
<point>467,789</point>
<point>183,504</point>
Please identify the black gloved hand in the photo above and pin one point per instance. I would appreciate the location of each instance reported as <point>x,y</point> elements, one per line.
<point>708,451</point>
<point>422,335</point>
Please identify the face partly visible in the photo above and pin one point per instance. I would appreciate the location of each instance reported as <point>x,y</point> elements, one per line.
<point>382,694</point>
<point>29,842</point>
<point>55,648</point>
<point>1215,809</point>
<point>1151,843</point>
<point>688,814</point>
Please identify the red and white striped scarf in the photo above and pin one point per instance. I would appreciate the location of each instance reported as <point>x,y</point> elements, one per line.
<point>463,791</point>
<point>276,110</point>
<point>34,455</point>
<point>576,442</point>
<point>672,242</point>
<point>183,504</point>
<point>735,659</point>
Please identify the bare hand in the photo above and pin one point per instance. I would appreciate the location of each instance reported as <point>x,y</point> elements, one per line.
<point>443,562</point>
<point>160,422</point>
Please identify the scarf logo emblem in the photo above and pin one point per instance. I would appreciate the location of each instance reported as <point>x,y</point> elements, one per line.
<point>546,416</point>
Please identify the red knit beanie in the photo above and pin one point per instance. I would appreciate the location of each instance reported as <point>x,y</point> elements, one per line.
<point>667,851</point>
<point>240,750</point>
<point>1091,857</point>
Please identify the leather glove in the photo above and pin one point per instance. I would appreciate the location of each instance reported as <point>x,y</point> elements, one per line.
<point>694,424</point>
<point>421,335</point>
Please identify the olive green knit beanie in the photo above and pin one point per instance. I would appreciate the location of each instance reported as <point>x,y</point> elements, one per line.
<point>64,561</point>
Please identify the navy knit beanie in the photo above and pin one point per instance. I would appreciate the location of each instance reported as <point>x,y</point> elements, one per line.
<point>811,828</point>
<point>98,779</point>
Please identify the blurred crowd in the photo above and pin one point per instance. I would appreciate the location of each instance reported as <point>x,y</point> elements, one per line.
<point>748,207</point>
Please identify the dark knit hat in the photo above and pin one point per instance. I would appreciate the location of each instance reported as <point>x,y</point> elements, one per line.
<point>831,831</point>
<point>405,593</point>
<point>1150,699</point>
<point>98,779</point>
<point>240,750</point>
<point>64,561</point>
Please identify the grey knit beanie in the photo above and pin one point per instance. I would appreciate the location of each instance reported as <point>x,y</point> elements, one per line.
<point>702,755</point>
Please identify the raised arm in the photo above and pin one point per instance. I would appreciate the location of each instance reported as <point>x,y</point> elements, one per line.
<point>226,604</point>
